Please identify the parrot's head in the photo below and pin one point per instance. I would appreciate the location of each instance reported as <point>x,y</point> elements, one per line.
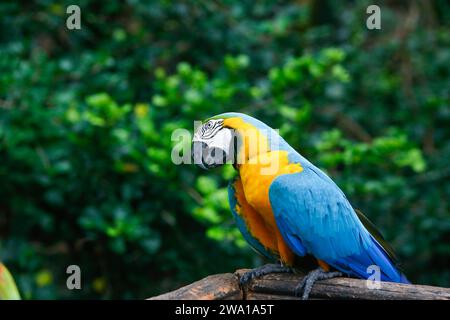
<point>212,145</point>
<point>233,137</point>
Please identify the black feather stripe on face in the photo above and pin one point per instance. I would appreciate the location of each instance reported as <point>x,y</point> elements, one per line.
<point>210,128</point>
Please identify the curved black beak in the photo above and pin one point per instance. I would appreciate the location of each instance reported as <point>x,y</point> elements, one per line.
<point>206,157</point>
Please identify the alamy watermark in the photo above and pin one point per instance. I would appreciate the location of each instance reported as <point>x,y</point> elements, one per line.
<point>373,282</point>
<point>74,279</point>
<point>374,20</point>
<point>73,21</point>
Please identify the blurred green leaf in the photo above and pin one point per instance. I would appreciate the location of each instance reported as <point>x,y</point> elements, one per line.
<point>8,289</point>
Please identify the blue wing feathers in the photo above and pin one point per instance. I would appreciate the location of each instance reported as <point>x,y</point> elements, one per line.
<point>293,241</point>
<point>315,217</point>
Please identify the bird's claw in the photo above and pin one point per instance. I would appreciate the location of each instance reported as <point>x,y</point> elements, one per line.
<point>263,270</point>
<point>305,286</point>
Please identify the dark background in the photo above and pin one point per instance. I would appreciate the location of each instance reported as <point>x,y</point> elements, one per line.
<point>86,118</point>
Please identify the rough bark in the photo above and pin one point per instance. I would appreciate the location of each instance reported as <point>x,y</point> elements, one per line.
<point>281,286</point>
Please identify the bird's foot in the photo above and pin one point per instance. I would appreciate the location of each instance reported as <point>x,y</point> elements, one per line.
<point>263,270</point>
<point>305,286</point>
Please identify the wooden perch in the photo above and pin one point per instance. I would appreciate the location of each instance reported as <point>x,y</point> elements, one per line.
<point>281,286</point>
<point>217,287</point>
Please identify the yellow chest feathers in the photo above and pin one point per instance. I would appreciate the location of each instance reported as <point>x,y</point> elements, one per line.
<point>258,167</point>
<point>258,173</point>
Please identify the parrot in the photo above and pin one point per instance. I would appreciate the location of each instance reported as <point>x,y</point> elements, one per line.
<point>289,210</point>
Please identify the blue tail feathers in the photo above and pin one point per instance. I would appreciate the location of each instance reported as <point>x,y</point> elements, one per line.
<point>360,265</point>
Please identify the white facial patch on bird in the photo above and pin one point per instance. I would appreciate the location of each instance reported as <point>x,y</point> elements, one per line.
<point>208,131</point>
<point>212,144</point>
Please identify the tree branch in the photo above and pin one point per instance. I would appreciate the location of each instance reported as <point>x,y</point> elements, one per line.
<point>281,286</point>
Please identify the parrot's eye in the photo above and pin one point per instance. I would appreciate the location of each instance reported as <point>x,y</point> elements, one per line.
<point>212,144</point>
<point>210,128</point>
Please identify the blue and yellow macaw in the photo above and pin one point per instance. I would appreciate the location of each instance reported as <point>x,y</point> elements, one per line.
<point>287,208</point>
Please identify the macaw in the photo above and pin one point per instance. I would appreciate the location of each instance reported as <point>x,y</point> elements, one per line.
<point>288,209</point>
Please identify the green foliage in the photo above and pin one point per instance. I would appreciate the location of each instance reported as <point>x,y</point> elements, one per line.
<point>87,116</point>
<point>8,289</point>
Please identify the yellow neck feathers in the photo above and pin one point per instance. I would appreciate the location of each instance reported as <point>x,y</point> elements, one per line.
<point>252,141</point>
<point>258,167</point>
